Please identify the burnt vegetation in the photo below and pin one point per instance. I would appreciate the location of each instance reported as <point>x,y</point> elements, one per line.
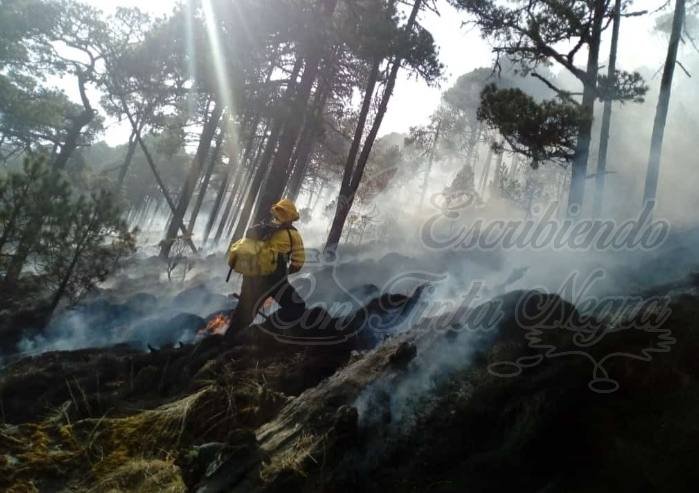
<point>137,145</point>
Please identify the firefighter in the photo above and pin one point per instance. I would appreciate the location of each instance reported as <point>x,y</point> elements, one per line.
<point>286,241</point>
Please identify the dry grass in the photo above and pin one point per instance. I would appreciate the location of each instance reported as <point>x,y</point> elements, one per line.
<point>35,450</point>
<point>111,452</point>
<point>142,476</point>
<point>294,458</point>
<point>148,430</point>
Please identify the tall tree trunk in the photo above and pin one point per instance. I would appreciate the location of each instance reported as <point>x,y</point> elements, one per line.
<point>28,241</point>
<point>499,167</point>
<point>582,147</point>
<point>127,161</point>
<point>342,209</point>
<point>163,189</point>
<point>78,122</point>
<point>346,199</point>
<point>303,156</point>
<point>9,225</point>
<point>255,182</point>
<point>68,274</point>
<point>310,134</point>
<point>361,123</point>
<point>319,195</point>
<point>262,166</point>
<point>192,178</point>
<point>213,159</point>
<point>486,171</point>
<point>472,156</point>
<point>430,162</point>
<point>250,147</point>
<point>31,234</point>
<point>311,193</point>
<point>154,169</point>
<point>158,178</point>
<point>278,175</point>
<point>656,141</point>
<point>240,176</point>
<point>239,193</point>
<point>130,151</point>
<point>240,185</point>
<point>220,195</point>
<point>601,172</point>
<point>243,192</point>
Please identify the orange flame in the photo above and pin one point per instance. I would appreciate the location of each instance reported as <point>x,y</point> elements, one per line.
<point>217,325</point>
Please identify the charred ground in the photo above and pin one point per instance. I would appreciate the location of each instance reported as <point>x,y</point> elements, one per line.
<point>248,413</point>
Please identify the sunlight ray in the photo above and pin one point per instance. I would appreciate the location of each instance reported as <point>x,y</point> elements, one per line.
<point>191,57</point>
<point>241,15</point>
<point>223,79</point>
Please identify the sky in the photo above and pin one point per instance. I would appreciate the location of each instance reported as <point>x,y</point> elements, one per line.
<point>461,50</point>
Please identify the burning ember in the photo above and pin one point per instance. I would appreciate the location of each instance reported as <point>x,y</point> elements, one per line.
<point>216,325</point>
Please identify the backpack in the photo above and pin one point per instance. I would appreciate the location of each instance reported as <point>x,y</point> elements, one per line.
<point>253,255</point>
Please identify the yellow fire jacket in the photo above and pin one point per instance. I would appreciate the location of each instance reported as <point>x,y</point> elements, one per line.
<point>280,242</point>
<point>288,240</point>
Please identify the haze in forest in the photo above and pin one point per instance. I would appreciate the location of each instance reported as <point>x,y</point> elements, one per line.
<point>186,121</point>
<point>349,245</point>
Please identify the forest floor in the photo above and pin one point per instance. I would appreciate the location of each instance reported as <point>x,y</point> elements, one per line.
<point>537,405</point>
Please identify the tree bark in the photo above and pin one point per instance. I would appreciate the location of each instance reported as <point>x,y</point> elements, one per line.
<point>213,159</point>
<point>163,188</point>
<point>78,123</point>
<point>486,171</point>
<point>8,227</point>
<point>601,172</point>
<point>154,169</point>
<point>305,149</point>
<point>499,167</point>
<point>278,175</point>
<point>127,161</point>
<point>60,291</point>
<point>240,185</point>
<point>240,188</point>
<point>582,148</point>
<point>191,179</point>
<point>661,110</point>
<point>310,134</point>
<point>28,240</point>
<point>130,152</point>
<point>243,191</point>
<point>257,177</point>
<point>276,180</point>
<point>32,233</point>
<point>345,200</point>
<point>220,195</point>
<point>262,167</point>
<point>340,213</point>
<point>430,162</point>
<point>252,149</point>
<point>240,176</point>
<point>319,195</point>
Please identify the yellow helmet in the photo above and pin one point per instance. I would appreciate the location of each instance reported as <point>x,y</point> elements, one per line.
<point>285,211</point>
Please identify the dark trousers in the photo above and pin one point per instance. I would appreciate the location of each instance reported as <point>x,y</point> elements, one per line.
<point>254,292</point>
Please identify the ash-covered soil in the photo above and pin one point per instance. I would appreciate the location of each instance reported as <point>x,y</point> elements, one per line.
<point>420,410</point>
<point>523,391</point>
